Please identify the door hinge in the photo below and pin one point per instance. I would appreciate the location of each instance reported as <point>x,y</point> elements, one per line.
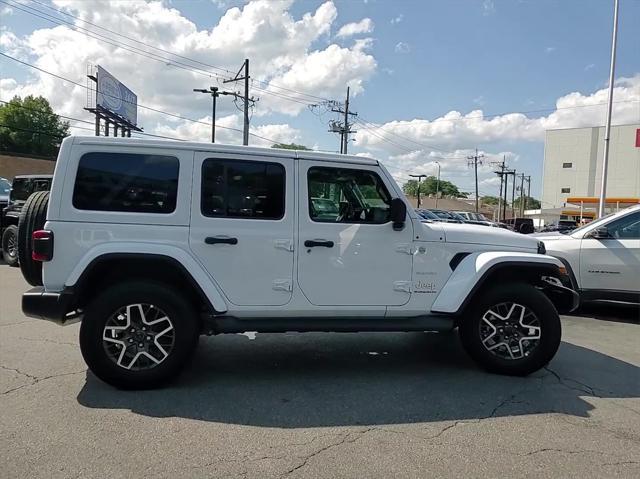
<point>404,248</point>
<point>404,286</point>
<point>284,244</point>
<point>282,285</point>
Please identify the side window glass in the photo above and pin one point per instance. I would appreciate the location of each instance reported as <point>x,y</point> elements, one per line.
<point>242,189</point>
<point>626,228</point>
<point>338,195</point>
<point>126,182</point>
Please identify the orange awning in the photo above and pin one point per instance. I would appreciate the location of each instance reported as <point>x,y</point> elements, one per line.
<point>596,200</point>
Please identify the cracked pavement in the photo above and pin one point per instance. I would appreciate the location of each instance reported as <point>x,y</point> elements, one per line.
<point>323,405</point>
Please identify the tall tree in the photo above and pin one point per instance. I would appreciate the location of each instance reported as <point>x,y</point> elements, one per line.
<point>531,203</point>
<point>30,126</point>
<point>289,146</point>
<point>490,200</point>
<point>430,185</point>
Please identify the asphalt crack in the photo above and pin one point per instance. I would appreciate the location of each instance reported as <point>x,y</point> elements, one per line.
<point>346,439</point>
<point>35,379</point>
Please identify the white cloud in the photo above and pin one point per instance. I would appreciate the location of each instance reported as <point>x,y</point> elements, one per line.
<point>589,67</point>
<point>291,52</point>
<point>402,47</point>
<point>363,26</point>
<point>396,20</point>
<point>456,129</point>
<point>479,100</point>
<point>550,49</point>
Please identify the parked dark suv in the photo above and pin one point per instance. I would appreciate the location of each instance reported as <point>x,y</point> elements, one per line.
<point>21,188</point>
<point>520,225</point>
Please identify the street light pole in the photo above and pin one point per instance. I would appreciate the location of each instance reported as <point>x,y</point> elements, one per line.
<point>607,128</point>
<point>438,183</point>
<point>419,179</point>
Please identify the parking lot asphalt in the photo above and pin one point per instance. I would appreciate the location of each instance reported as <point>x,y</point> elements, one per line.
<point>376,405</point>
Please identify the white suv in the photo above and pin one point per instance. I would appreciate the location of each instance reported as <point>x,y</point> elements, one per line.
<point>602,257</point>
<point>152,243</point>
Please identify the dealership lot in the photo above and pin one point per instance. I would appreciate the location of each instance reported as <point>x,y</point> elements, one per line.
<point>323,405</point>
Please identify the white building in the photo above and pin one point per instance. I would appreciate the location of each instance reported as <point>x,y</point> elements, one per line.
<point>573,164</point>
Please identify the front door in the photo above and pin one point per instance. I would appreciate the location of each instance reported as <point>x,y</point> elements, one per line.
<point>348,251</point>
<point>613,263</point>
<point>242,225</point>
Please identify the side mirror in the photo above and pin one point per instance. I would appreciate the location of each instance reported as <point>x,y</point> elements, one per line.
<point>600,233</point>
<point>398,212</point>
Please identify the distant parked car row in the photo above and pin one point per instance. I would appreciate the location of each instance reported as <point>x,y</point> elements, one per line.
<point>13,196</point>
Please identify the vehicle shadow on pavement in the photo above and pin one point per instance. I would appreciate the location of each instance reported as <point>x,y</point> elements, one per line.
<point>617,312</point>
<point>319,380</point>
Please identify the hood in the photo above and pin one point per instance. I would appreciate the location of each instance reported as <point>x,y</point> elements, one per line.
<point>481,235</point>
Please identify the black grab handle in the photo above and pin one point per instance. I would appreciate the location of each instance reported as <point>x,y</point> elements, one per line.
<point>312,243</point>
<point>219,240</point>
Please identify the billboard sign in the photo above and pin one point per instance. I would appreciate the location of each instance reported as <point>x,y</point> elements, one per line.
<point>115,97</point>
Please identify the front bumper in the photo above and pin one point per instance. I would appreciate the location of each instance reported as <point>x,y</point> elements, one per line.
<point>563,297</point>
<point>57,307</point>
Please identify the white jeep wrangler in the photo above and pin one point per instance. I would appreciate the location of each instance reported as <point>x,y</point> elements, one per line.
<point>152,243</point>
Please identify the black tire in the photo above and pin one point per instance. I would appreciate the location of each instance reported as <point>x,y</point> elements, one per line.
<point>32,218</point>
<point>10,245</point>
<point>180,312</point>
<point>535,302</point>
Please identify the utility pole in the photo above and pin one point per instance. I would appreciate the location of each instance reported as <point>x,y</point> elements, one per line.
<point>345,128</point>
<point>213,91</point>
<point>245,70</point>
<point>513,197</point>
<point>507,172</point>
<point>474,160</point>
<point>438,183</point>
<point>607,127</point>
<point>520,206</point>
<point>501,174</point>
<point>526,200</point>
<point>419,180</point>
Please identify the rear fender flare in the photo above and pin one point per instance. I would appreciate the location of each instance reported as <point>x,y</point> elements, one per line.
<point>178,256</point>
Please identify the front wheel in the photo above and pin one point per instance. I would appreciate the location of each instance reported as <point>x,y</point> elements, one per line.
<point>138,334</point>
<point>511,329</point>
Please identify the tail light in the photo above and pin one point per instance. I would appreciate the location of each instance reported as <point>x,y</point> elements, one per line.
<point>42,245</point>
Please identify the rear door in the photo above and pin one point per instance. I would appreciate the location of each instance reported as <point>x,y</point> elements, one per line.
<point>348,251</point>
<point>242,225</point>
<point>613,263</point>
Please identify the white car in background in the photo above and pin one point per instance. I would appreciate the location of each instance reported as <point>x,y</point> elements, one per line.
<point>602,257</point>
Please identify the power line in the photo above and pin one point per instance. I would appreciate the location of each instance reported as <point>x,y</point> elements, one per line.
<point>146,53</point>
<point>126,101</point>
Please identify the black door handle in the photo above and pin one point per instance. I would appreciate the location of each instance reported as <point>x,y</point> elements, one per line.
<point>312,243</point>
<point>220,240</point>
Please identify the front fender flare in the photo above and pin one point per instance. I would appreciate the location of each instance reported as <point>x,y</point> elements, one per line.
<point>475,269</point>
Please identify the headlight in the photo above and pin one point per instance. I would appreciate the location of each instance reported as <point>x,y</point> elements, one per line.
<point>541,248</point>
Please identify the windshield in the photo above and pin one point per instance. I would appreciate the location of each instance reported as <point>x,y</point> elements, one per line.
<point>5,186</point>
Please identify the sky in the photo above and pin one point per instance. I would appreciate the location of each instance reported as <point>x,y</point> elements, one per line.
<point>430,80</point>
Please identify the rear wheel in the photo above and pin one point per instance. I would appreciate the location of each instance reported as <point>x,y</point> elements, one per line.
<point>511,329</point>
<point>32,218</point>
<point>138,335</point>
<point>10,245</point>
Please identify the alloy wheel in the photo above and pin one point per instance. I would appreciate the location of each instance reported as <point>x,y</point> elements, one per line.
<point>510,331</point>
<point>138,337</point>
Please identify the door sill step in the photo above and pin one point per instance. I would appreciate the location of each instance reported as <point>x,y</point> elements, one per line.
<point>232,324</point>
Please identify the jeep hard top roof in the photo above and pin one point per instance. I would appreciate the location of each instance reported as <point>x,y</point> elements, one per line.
<point>219,148</point>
